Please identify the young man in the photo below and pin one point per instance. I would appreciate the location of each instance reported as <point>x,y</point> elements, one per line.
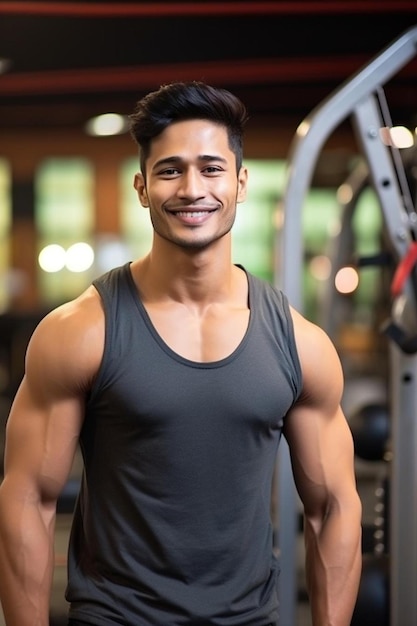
<point>178,373</point>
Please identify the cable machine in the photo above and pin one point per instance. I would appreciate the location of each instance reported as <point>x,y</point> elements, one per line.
<point>362,99</point>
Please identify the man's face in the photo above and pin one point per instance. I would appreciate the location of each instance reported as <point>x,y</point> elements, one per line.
<point>192,187</point>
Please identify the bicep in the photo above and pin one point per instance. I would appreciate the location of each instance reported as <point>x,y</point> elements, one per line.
<point>318,434</point>
<point>41,439</point>
<point>321,451</point>
<point>47,412</point>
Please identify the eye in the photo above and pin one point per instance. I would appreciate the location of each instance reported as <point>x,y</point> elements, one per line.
<point>169,172</point>
<point>213,170</point>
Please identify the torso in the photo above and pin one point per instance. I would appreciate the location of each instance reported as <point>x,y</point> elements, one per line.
<point>188,449</point>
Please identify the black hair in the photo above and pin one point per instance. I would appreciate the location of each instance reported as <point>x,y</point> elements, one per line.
<point>180,101</point>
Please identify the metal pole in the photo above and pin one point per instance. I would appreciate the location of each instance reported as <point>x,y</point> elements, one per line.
<point>403,489</point>
<point>307,144</point>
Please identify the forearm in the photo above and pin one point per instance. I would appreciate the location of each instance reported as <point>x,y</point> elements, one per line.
<point>27,558</point>
<point>333,568</point>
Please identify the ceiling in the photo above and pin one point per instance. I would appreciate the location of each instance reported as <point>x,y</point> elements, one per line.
<point>70,60</point>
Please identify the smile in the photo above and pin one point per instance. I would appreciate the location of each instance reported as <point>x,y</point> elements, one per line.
<point>191,213</point>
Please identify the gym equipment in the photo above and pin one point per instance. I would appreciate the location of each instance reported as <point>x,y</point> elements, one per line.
<point>362,99</point>
<point>372,606</point>
<point>370,431</point>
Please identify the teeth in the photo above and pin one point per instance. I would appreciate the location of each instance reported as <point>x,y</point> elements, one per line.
<point>191,213</point>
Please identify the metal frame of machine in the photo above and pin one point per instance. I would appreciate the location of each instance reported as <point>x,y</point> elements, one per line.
<point>362,99</point>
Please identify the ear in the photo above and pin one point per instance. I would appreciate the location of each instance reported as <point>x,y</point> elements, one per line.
<point>242,181</point>
<point>139,185</point>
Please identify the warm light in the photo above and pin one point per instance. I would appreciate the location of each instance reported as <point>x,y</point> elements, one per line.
<point>320,267</point>
<point>346,280</point>
<point>344,193</point>
<point>303,128</point>
<point>79,257</point>
<point>402,137</point>
<point>52,258</point>
<point>397,136</point>
<point>106,125</point>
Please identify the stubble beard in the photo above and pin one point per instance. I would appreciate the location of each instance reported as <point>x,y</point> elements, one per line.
<point>191,243</point>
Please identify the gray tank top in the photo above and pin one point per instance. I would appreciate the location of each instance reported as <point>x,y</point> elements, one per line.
<point>172,526</point>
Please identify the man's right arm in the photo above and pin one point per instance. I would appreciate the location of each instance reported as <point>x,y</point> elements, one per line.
<point>41,439</point>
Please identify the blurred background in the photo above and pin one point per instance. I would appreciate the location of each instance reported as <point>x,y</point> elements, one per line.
<point>70,74</point>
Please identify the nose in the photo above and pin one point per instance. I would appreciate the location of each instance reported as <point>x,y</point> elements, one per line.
<point>191,185</point>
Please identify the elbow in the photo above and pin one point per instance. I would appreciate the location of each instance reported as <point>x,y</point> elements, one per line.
<point>344,509</point>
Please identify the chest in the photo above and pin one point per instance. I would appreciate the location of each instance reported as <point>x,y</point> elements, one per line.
<point>202,337</point>
<point>154,405</point>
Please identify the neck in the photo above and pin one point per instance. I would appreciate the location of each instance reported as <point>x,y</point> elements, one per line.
<point>194,276</point>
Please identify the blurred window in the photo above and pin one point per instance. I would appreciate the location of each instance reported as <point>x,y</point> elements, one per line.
<point>64,216</point>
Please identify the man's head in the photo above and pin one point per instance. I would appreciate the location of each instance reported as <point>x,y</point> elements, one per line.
<point>180,101</point>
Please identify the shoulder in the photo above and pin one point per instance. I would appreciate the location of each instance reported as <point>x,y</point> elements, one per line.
<point>320,364</point>
<point>68,343</point>
<point>265,294</point>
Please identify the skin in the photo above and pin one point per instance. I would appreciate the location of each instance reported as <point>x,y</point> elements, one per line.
<point>197,300</point>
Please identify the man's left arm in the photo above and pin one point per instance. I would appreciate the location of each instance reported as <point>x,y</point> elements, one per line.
<point>322,457</point>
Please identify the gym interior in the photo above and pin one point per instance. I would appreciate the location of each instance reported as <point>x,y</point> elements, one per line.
<point>330,217</point>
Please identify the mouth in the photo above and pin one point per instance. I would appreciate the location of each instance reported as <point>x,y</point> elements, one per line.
<point>192,213</point>
<point>192,216</point>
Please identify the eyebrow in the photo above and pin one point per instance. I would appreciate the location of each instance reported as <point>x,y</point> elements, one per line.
<point>175,160</point>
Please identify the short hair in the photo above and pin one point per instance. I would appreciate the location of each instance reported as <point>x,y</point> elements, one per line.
<point>181,101</point>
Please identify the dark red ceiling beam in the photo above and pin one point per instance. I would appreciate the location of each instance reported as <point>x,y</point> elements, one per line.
<point>164,9</point>
<point>127,78</point>
<point>249,71</point>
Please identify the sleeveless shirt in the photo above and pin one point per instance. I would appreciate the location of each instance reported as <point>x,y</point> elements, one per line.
<point>172,524</point>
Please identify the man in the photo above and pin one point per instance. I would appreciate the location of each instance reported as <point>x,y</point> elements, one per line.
<point>178,373</point>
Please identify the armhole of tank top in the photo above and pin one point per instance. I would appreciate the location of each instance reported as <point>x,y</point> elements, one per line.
<point>105,299</point>
<point>293,347</point>
<point>285,314</point>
